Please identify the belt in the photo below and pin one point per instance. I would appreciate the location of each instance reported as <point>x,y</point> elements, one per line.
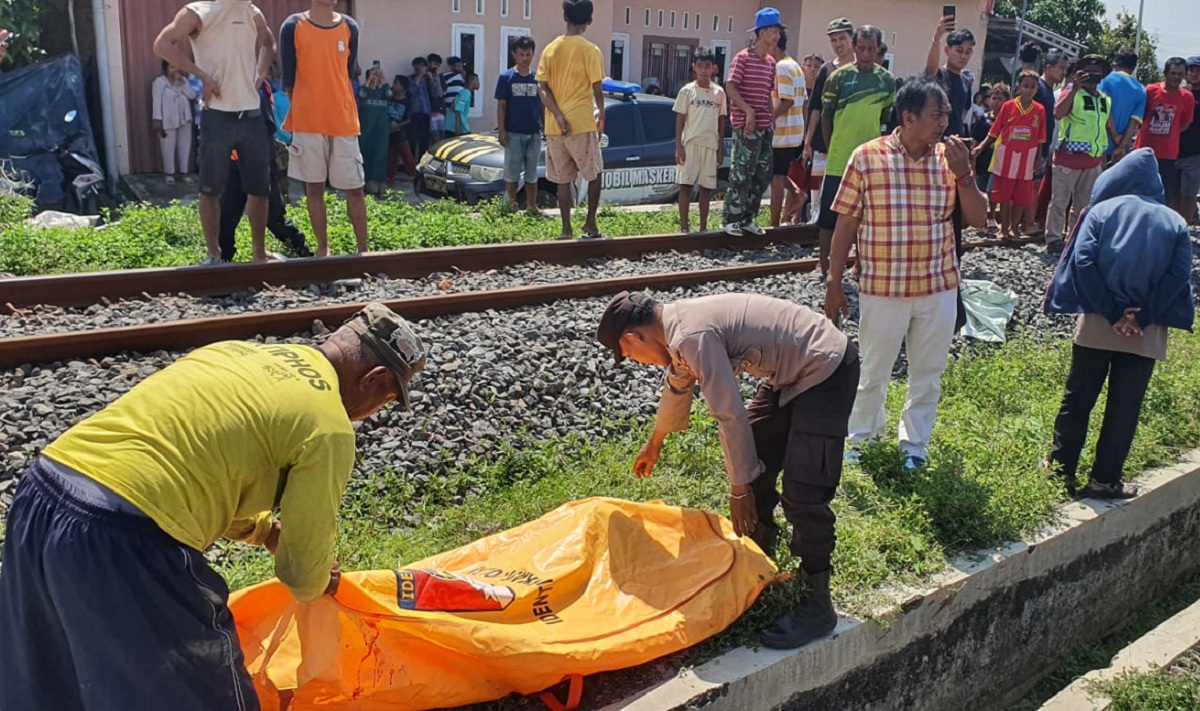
<point>252,113</point>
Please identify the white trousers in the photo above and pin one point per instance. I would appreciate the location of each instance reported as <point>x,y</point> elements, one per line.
<point>925,325</point>
<point>176,147</point>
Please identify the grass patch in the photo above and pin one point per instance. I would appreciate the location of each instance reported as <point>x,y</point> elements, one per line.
<point>1175,689</point>
<point>983,487</point>
<point>152,236</point>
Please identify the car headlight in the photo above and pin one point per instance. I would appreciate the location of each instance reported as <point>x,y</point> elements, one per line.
<point>486,174</point>
<point>425,159</point>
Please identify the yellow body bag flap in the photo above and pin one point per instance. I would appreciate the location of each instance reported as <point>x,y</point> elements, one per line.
<point>595,585</point>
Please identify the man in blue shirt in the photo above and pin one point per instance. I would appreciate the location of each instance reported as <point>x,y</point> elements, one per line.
<point>1128,101</point>
<point>519,114</point>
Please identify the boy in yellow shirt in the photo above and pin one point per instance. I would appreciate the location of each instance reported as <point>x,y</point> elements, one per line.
<point>106,599</point>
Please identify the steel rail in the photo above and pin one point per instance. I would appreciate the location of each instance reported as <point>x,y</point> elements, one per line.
<point>181,335</point>
<point>95,287</point>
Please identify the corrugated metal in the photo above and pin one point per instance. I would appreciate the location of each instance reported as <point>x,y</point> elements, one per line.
<point>141,21</point>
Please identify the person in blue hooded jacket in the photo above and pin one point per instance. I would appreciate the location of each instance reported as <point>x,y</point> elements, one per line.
<point>1127,271</point>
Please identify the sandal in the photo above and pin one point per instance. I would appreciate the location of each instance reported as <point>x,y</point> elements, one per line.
<point>594,236</point>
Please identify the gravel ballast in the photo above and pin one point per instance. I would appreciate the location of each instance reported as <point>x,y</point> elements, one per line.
<point>492,379</point>
<point>43,319</point>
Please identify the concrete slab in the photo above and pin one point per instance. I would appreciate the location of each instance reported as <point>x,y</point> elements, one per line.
<point>1158,649</point>
<point>983,632</point>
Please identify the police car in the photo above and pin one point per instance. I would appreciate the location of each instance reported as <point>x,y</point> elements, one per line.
<point>638,147</point>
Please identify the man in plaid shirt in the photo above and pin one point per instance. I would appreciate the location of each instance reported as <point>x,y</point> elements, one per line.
<point>896,200</point>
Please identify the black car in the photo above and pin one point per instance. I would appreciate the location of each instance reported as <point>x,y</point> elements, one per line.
<point>638,148</point>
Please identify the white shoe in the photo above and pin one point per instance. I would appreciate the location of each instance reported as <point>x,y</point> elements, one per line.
<point>210,261</point>
<point>733,229</point>
<point>752,228</point>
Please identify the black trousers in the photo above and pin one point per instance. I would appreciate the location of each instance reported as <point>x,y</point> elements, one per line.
<point>233,204</point>
<point>102,610</point>
<point>1128,377</point>
<point>804,440</point>
<point>418,134</point>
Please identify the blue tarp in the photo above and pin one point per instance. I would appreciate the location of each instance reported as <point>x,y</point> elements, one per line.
<point>34,103</point>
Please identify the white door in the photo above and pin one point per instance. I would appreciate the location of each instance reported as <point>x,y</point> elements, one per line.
<point>721,49</point>
<point>507,36</point>
<point>466,41</point>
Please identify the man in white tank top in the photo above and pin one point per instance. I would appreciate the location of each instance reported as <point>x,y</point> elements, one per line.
<point>234,50</point>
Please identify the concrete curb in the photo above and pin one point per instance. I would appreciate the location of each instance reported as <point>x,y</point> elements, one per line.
<point>1159,648</point>
<point>986,631</point>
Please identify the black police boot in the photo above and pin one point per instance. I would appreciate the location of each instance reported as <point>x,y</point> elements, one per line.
<point>813,618</point>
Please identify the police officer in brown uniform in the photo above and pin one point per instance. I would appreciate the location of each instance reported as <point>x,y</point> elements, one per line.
<point>796,423</point>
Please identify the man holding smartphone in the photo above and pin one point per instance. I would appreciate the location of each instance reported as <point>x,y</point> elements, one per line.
<point>1084,115</point>
<point>959,48</point>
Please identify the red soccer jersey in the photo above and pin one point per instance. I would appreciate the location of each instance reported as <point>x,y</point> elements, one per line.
<point>1167,114</point>
<point>1018,133</point>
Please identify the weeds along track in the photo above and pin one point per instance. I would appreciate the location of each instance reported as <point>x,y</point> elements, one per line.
<point>84,290</point>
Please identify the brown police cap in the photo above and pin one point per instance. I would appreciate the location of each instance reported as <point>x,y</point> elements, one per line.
<point>616,318</point>
<point>392,339</point>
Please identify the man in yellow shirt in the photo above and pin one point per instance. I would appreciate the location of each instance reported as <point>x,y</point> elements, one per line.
<point>106,600</point>
<point>569,77</point>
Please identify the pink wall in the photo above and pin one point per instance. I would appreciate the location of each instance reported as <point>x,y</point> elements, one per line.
<point>907,27</point>
<point>395,31</point>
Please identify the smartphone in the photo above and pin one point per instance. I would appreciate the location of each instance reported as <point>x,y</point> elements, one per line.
<point>949,10</point>
<point>375,64</point>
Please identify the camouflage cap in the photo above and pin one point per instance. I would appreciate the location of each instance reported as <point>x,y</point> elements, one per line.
<point>839,25</point>
<point>391,338</point>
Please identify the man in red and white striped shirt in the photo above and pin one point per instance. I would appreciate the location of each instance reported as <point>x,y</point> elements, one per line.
<point>751,81</point>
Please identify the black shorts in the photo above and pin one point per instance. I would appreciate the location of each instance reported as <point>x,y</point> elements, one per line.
<point>781,159</point>
<point>1170,180</point>
<point>827,220</point>
<point>228,131</point>
<point>96,577</point>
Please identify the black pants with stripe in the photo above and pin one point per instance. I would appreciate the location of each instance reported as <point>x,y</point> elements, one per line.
<point>101,610</point>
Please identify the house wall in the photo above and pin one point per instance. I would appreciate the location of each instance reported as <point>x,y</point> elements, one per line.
<point>395,31</point>
<point>907,26</point>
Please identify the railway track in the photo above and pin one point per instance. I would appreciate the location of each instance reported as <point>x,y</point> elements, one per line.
<point>189,333</point>
<point>73,290</point>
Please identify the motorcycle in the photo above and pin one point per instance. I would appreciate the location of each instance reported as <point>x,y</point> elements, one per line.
<point>83,178</point>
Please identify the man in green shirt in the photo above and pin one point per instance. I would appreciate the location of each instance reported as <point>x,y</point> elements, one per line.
<point>854,107</point>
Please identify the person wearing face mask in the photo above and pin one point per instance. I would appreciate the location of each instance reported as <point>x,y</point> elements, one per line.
<point>107,531</point>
